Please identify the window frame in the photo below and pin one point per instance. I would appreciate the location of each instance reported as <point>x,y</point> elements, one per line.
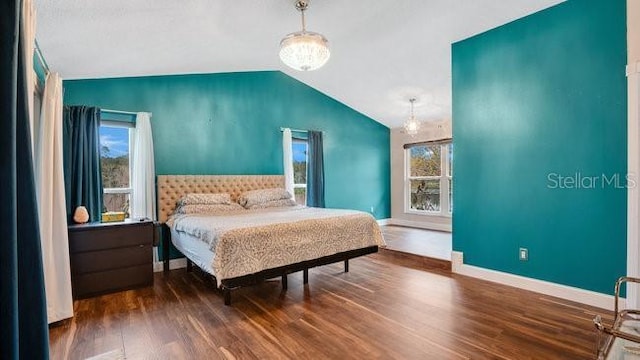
<point>124,190</point>
<point>301,186</point>
<point>445,178</point>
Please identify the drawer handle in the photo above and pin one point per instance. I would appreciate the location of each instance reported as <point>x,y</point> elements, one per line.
<point>141,245</point>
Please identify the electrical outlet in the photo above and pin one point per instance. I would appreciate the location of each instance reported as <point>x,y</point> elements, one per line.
<point>524,254</point>
<point>372,209</point>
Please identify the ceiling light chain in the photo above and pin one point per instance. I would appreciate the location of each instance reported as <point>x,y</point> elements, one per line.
<point>411,125</point>
<point>302,6</point>
<point>304,50</point>
<point>412,101</point>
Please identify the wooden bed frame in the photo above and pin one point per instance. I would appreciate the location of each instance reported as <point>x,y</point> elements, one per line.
<point>173,187</point>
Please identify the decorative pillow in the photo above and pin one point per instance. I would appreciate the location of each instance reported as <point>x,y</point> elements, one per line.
<point>208,199</point>
<point>274,203</point>
<point>256,197</point>
<point>208,208</point>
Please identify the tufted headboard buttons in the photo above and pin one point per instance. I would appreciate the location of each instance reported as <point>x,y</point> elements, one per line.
<point>172,187</point>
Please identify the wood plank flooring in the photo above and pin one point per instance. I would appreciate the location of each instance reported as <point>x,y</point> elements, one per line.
<point>379,310</point>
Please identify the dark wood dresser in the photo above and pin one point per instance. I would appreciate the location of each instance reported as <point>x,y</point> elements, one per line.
<point>109,257</point>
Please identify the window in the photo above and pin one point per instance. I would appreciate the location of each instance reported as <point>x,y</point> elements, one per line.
<point>299,148</point>
<point>115,162</point>
<point>428,179</point>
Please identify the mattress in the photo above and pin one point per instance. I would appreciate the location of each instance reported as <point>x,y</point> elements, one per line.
<point>242,243</point>
<point>194,249</point>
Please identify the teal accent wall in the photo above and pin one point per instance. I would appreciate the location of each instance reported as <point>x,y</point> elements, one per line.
<point>540,96</point>
<point>41,73</point>
<point>118,117</point>
<point>230,124</point>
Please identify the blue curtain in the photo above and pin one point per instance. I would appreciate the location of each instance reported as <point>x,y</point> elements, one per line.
<point>23,328</point>
<point>81,151</point>
<point>315,170</point>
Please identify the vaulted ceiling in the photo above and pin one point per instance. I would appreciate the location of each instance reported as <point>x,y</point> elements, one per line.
<point>383,52</point>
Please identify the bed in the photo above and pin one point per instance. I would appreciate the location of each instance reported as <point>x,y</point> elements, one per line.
<point>243,248</point>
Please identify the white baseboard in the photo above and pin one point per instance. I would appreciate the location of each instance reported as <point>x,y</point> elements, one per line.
<point>420,224</point>
<point>382,222</point>
<point>180,263</point>
<point>578,295</point>
<point>456,261</point>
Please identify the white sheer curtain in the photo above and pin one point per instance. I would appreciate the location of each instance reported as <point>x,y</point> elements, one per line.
<point>287,160</point>
<point>633,168</point>
<point>51,202</point>
<point>29,27</point>
<point>144,170</point>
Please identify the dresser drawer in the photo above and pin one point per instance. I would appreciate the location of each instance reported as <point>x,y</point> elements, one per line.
<point>109,237</point>
<point>103,260</point>
<point>113,280</point>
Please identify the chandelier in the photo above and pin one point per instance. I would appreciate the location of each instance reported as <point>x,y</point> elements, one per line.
<point>411,125</point>
<point>304,50</point>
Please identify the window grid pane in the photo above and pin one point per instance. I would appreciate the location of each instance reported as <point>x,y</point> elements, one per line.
<point>114,156</point>
<point>450,195</point>
<point>300,194</point>
<point>425,160</point>
<point>425,195</point>
<point>116,202</point>
<point>299,162</point>
<point>450,159</point>
<point>299,150</point>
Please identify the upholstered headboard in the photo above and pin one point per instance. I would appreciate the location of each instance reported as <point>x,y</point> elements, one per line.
<point>172,187</point>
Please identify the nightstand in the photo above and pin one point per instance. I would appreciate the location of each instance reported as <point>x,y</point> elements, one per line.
<point>109,257</point>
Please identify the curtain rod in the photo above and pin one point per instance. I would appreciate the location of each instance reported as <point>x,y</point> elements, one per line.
<point>298,130</point>
<point>121,112</point>
<point>43,62</point>
<point>431,142</point>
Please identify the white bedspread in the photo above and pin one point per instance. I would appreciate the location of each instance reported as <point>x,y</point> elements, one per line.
<point>250,241</point>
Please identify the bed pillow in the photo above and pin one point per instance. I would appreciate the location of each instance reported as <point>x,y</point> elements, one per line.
<point>207,199</point>
<point>256,197</point>
<point>274,204</point>
<point>208,208</point>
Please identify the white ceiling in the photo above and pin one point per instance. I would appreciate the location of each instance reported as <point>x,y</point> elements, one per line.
<point>382,52</point>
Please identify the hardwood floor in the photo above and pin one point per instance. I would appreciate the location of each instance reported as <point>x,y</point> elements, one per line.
<point>379,309</point>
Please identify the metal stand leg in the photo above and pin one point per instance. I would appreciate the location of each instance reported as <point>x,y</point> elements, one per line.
<point>165,251</point>
<point>226,293</point>
<point>305,276</point>
<point>346,266</point>
<point>284,282</point>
